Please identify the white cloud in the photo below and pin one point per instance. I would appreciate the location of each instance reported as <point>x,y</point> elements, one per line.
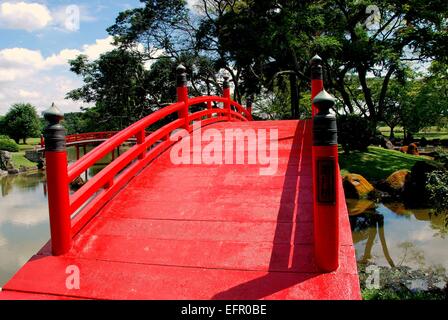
<point>27,76</point>
<point>26,16</point>
<point>28,94</point>
<point>32,16</point>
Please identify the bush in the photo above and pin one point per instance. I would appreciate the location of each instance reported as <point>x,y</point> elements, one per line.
<point>440,155</point>
<point>7,144</point>
<point>355,132</point>
<point>437,186</point>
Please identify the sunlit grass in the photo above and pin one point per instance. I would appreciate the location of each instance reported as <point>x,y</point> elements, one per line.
<point>377,163</point>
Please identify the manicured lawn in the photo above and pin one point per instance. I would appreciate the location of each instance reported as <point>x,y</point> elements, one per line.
<point>430,133</point>
<point>377,163</point>
<point>18,160</point>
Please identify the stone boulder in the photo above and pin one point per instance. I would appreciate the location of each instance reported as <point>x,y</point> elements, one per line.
<point>356,186</point>
<point>396,181</point>
<point>5,160</point>
<point>13,171</point>
<point>357,207</point>
<point>412,149</point>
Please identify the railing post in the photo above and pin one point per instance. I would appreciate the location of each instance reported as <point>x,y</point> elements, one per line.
<point>226,94</point>
<point>317,83</point>
<point>209,107</point>
<point>57,181</point>
<point>182,94</point>
<point>325,184</point>
<point>140,139</point>
<point>249,103</point>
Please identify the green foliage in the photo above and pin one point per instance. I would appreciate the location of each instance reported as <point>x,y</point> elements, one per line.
<point>115,83</point>
<point>22,122</point>
<point>404,294</point>
<point>7,144</point>
<point>437,187</point>
<point>355,132</point>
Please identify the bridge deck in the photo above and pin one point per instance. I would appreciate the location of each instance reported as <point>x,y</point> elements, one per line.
<point>202,232</point>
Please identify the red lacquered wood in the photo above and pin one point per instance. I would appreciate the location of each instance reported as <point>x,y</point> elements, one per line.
<point>105,148</point>
<point>326,215</point>
<point>156,236</point>
<point>58,201</point>
<point>317,85</point>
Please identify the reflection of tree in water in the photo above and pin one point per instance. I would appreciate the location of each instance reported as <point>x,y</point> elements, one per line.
<point>411,254</point>
<point>24,181</point>
<point>369,224</point>
<point>6,185</point>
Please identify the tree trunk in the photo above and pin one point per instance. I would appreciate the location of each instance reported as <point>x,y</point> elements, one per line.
<point>392,134</point>
<point>294,96</point>
<point>24,140</point>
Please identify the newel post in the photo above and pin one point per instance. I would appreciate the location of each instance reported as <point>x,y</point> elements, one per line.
<point>57,182</point>
<point>226,94</point>
<point>317,83</point>
<point>325,184</point>
<point>249,103</point>
<point>182,94</point>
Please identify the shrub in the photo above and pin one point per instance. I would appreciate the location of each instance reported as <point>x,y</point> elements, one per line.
<point>437,186</point>
<point>355,132</point>
<point>8,145</point>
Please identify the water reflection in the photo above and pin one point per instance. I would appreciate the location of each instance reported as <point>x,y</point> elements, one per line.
<point>24,226</point>
<point>392,235</point>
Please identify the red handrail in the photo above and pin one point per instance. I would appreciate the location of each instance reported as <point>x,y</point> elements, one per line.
<point>80,137</point>
<point>86,202</point>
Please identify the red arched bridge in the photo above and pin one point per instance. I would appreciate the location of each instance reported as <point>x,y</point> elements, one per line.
<point>170,219</point>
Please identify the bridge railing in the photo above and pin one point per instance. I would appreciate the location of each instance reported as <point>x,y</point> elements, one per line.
<point>326,174</point>
<point>79,137</point>
<point>69,213</point>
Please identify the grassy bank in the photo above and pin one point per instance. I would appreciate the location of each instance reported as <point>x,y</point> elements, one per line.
<point>18,158</point>
<point>377,163</point>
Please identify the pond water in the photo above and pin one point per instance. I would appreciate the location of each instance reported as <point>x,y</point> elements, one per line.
<point>24,224</point>
<point>391,235</point>
<point>384,234</point>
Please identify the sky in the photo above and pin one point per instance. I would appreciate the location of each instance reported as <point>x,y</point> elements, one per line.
<point>38,37</point>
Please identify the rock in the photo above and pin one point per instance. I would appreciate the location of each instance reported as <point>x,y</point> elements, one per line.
<point>5,160</point>
<point>23,169</point>
<point>396,181</point>
<point>414,192</point>
<point>77,183</point>
<point>3,173</point>
<point>412,149</point>
<point>389,145</point>
<point>357,207</point>
<point>356,186</point>
<point>13,171</point>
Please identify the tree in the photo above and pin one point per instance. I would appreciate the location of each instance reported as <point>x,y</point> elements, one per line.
<point>22,122</point>
<point>116,84</point>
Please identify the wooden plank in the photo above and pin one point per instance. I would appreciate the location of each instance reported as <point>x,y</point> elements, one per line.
<point>115,280</point>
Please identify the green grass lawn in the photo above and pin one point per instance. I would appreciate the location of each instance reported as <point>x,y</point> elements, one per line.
<point>18,158</point>
<point>377,163</point>
<point>429,133</point>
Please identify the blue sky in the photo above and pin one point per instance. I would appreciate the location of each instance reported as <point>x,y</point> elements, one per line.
<point>37,37</point>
